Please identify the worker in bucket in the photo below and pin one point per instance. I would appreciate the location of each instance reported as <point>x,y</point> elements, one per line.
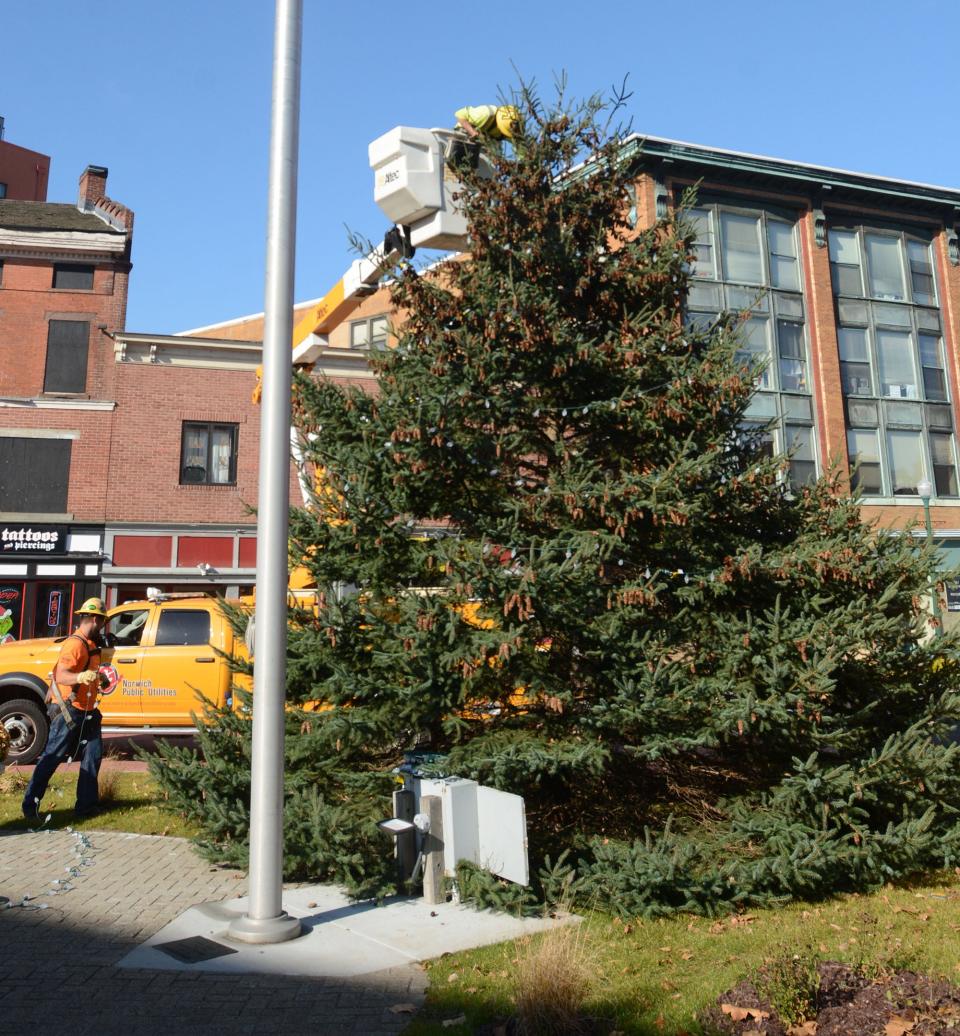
<point>494,122</point>
<point>75,731</point>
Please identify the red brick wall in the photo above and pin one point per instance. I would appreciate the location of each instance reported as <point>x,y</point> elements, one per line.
<point>25,172</point>
<point>28,302</point>
<point>89,455</point>
<point>152,403</point>
<point>824,354</point>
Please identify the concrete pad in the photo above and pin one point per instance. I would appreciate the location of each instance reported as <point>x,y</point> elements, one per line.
<point>341,938</point>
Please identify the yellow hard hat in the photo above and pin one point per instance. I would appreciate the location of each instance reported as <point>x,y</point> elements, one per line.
<point>508,121</point>
<point>92,606</point>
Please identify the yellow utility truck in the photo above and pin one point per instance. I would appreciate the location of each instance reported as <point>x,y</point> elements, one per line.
<point>165,650</point>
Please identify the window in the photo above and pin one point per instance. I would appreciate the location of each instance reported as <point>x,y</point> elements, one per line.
<point>931,360</point>
<point>784,268</point>
<point>3,190</point>
<point>740,248</point>
<point>125,629</point>
<point>67,346</point>
<point>921,273</point>
<point>704,264</point>
<point>893,373</point>
<point>944,463</point>
<point>747,260</point>
<point>183,627</point>
<point>898,376</point>
<point>864,453</point>
<point>34,474</point>
<point>855,361</point>
<point>369,334</point>
<point>885,265</point>
<point>208,454</point>
<point>793,360</point>
<point>898,268</point>
<point>844,247</point>
<point>73,276</point>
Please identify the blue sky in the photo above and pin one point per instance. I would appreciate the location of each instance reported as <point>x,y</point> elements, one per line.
<point>174,98</point>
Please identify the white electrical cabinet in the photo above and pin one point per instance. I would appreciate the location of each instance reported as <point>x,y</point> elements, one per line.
<point>415,189</point>
<point>482,825</point>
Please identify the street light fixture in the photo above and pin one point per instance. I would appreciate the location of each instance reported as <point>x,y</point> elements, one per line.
<point>924,491</point>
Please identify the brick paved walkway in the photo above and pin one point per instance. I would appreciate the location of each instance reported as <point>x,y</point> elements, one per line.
<point>57,962</point>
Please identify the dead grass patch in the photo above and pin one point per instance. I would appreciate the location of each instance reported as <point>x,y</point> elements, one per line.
<point>108,780</point>
<point>553,980</point>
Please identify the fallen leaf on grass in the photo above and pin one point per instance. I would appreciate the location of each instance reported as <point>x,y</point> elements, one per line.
<point>448,1023</point>
<point>743,919</point>
<point>404,1009</point>
<point>452,977</point>
<point>898,1025</point>
<point>740,1014</point>
<point>803,1029</point>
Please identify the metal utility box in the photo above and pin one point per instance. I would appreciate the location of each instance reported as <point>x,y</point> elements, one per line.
<point>483,825</point>
<point>414,188</point>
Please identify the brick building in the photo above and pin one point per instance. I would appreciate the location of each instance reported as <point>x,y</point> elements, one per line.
<point>852,284</point>
<point>183,466</point>
<point>24,174</point>
<point>184,522</point>
<point>64,271</point>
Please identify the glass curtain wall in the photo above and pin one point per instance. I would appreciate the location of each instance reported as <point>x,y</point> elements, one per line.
<point>893,374</point>
<point>749,260</point>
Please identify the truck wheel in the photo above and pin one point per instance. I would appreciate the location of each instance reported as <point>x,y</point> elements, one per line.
<point>27,726</point>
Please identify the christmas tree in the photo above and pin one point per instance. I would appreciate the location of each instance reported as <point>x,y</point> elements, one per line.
<point>555,552</point>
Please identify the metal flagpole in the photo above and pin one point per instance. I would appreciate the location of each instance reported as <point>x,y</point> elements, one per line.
<point>265,920</point>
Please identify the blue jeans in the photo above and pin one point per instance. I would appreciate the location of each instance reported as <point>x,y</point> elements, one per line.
<point>82,741</point>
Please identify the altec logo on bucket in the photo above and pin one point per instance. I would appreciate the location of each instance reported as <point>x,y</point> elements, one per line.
<point>28,539</point>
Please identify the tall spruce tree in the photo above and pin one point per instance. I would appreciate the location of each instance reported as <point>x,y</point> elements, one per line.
<point>580,577</point>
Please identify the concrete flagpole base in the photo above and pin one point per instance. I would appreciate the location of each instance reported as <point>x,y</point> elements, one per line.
<point>281,928</point>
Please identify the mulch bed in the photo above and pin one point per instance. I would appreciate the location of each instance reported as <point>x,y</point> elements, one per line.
<point>848,1003</point>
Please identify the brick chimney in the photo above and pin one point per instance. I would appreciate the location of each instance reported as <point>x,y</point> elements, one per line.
<point>93,187</point>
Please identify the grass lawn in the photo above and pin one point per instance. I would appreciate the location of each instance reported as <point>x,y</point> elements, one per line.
<point>652,977</point>
<point>132,807</point>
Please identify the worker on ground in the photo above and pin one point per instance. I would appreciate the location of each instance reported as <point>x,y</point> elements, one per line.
<point>75,730</point>
<point>494,122</point>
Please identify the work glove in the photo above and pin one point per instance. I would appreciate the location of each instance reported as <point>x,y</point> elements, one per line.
<point>88,676</point>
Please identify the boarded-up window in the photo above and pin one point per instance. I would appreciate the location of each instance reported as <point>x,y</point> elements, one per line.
<point>73,276</point>
<point>34,474</point>
<point>67,346</point>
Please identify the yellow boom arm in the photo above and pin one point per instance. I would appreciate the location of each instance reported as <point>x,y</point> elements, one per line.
<point>311,330</point>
